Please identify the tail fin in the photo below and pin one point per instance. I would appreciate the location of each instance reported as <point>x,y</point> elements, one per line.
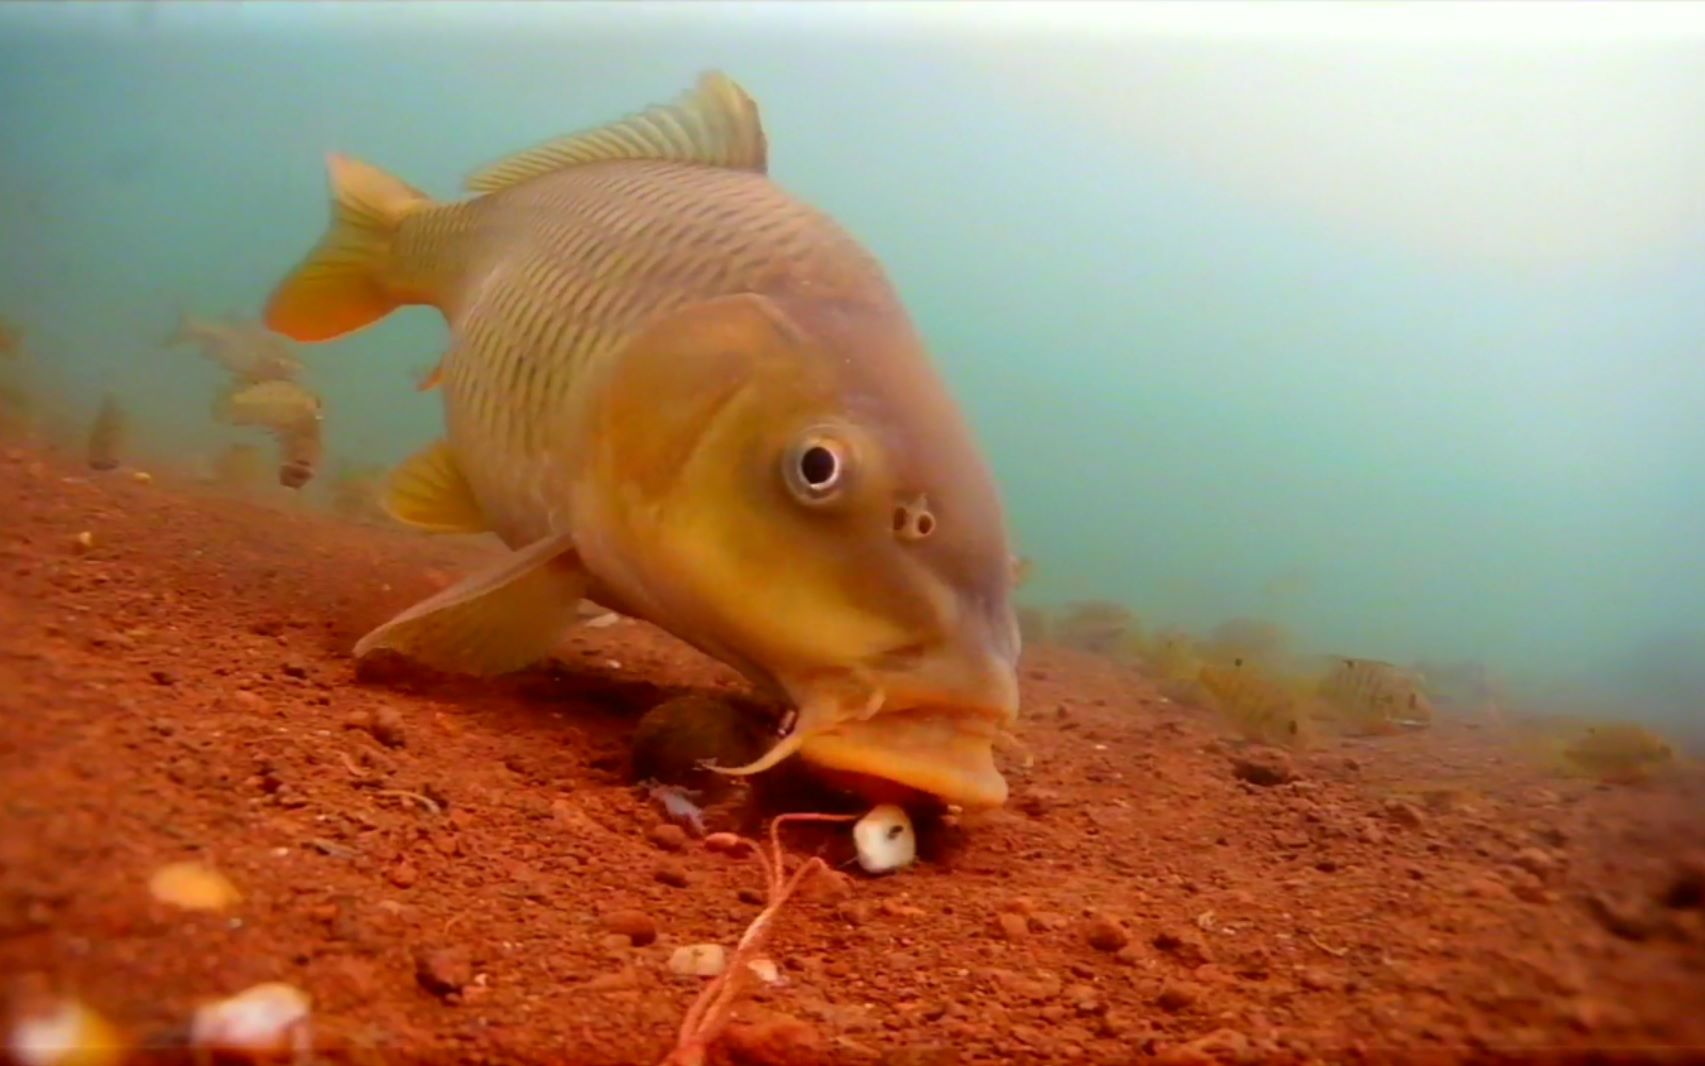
<point>340,287</point>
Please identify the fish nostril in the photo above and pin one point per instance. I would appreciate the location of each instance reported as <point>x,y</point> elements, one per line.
<point>913,520</point>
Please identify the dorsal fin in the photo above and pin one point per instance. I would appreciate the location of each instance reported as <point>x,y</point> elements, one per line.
<point>715,123</point>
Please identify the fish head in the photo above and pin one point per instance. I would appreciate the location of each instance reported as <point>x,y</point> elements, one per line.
<point>789,487</point>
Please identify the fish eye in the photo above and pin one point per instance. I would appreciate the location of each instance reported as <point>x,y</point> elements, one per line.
<point>815,469</point>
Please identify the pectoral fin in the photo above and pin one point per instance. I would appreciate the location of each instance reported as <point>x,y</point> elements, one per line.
<point>428,491</point>
<point>495,621</point>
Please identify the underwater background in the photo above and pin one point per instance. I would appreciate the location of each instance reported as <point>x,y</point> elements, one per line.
<point>1395,339</point>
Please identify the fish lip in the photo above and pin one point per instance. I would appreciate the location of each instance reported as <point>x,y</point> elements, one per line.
<point>942,750</point>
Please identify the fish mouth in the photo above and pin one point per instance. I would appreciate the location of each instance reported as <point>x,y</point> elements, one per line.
<point>944,752</point>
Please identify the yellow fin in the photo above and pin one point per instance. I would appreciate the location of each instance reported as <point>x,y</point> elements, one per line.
<point>715,123</point>
<point>340,287</point>
<point>495,621</point>
<point>429,491</point>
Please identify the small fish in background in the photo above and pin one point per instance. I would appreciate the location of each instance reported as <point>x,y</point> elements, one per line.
<point>301,447</point>
<point>273,405</point>
<point>1617,752</point>
<point>238,468</point>
<point>291,412</point>
<point>1369,697</point>
<point>249,351</point>
<point>1261,709</point>
<point>1252,640</point>
<point>107,435</point>
<point>1100,627</point>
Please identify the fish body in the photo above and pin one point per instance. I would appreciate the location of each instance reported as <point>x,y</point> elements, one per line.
<point>1172,656</point>
<point>248,351</point>
<point>1262,709</point>
<point>681,393</point>
<point>1618,752</point>
<point>106,436</point>
<point>1373,697</point>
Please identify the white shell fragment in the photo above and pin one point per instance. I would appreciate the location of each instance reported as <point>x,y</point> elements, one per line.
<point>267,1019</point>
<point>68,1034</point>
<point>193,886</point>
<point>699,960</point>
<point>764,969</point>
<point>885,840</point>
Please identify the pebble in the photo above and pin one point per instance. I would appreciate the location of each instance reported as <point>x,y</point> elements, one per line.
<point>698,960</point>
<point>775,1041</point>
<point>1177,996</point>
<point>83,542</point>
<point>1012,926</point>
<point>1686,889</point>
<point>443,971</point>
<point>672,874</point>
<point>403,875</point>
<point>1104,934</point>
<point>1264,767</point>
<point>668,836</point>
<point>1404,814</point>
<point>636,925</point>
<point>1538,862</point>
<point>1186,946</point>
<point>387,727</point>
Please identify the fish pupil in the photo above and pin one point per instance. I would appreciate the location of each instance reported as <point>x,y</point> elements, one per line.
<point>818,466</point>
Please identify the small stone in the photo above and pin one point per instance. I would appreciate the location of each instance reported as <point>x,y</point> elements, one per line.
<point>361,720</point>
<point>1526,887</point>
<point>1038,802</point>
<point>1264,767</point>
<point>668,836</point>
<point>83,542</point>
<point>163,677</point>
<point>403,875</point>
<point>775,1041</point>
<point>387,727</point>
<point>1104,934</point>
<point>1405,814</point>
<point>295,670</point>
<point>625,978</point>
<point>698,960</point>
<point>1620,917</point>
<point>1012,926</point>
<point>1317,980</point>
<point>1538,862</point>
<point>1177,996</point>
<point>672,874</point>
<point>826,886</point>
<point>443,971</point>
<point>636,925</point>
<point>1019,905</point>
<point>1484,888</point>
<point>1186,945</point>
<point>1686,890</point>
